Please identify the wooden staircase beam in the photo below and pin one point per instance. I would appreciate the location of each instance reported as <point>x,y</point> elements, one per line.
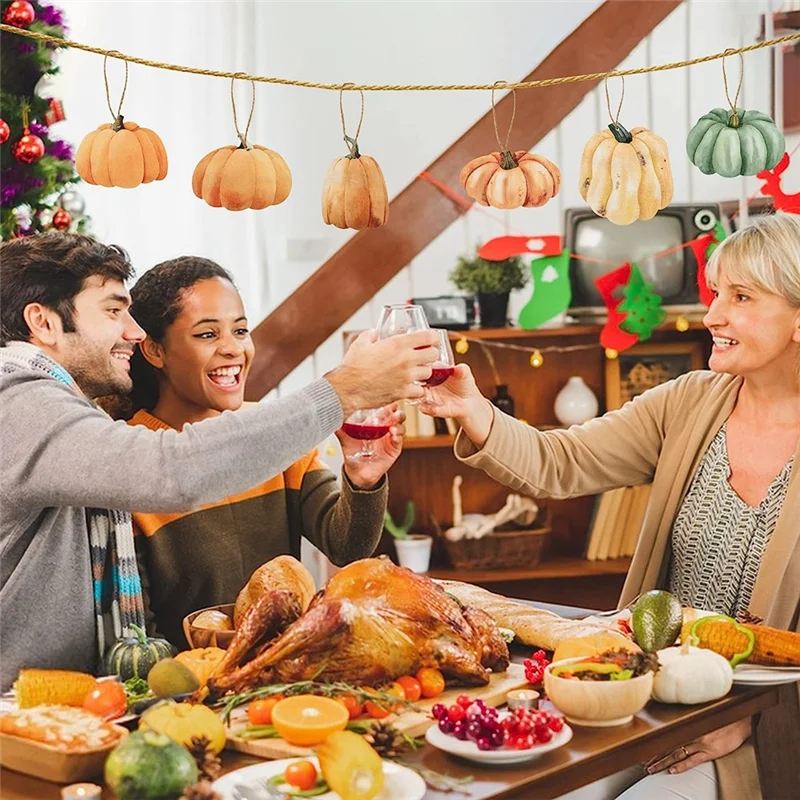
<point>371,258</point>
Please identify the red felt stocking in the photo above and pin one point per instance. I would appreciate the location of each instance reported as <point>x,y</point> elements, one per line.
<point>612,336</point>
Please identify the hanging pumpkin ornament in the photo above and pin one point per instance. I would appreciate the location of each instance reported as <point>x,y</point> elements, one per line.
<point>354,192</point>
<point>19,13</point>
<point>121,153</point>
<point>29,148</point>
<point>247,176</point>
<point>5,131</point>
<point>61,220</point>
<point>734,142</point>
<point>509,180</point>
<point>625,175</point>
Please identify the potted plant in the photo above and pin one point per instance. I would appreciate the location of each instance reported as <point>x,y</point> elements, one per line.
<point>491,281</point>
<point>413,549</point>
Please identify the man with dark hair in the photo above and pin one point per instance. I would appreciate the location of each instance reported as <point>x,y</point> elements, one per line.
<point>69,475</point>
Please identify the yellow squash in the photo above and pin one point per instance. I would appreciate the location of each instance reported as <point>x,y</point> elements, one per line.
<point>626,176</point>
<point>183,721</point>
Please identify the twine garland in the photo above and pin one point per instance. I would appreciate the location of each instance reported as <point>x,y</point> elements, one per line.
<point>117,118</point>
<point>595,76</point>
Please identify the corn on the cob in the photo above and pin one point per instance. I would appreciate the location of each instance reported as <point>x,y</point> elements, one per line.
<point>35,687</point>
<point>773,647</point>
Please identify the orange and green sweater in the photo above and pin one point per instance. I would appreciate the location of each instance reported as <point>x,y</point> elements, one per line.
<point>203,557</point>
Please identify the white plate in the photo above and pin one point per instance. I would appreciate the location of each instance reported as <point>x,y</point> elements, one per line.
<point>753,674</point>
<point>503,755</point>
<point>400,783</point>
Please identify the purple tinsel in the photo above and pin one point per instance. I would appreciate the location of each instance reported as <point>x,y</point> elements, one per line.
<point>38,129</point>
<point>60,150</point>
<point>14,181</point>
<point>50,15</point>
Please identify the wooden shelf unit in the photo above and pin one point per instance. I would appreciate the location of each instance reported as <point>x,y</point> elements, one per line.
<point>425,470</point>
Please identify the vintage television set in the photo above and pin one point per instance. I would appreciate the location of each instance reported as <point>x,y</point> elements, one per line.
<point>673,276</point>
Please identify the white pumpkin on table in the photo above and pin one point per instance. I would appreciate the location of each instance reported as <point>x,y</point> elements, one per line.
<point>689,675</point>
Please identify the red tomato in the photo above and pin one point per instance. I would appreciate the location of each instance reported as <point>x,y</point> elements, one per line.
<point>301,774</point>
<point>431,680</point>
<point>378,710</point>
<point>412,687</point>
<point>352,704</point>
<point>259,712</point>
<point>107,700</point>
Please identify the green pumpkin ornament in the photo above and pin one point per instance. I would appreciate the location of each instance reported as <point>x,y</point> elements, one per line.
<point>735,142</point>
<point>134,657</point>
<point>732,142</point>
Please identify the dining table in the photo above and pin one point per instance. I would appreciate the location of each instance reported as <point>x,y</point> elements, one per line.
<point>591,754</point>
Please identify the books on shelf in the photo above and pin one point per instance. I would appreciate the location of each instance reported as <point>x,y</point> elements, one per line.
<point>420,425</point>
<point>617,521</point>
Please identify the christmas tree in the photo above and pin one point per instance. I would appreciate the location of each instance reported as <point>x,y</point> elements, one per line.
<point>642,306</point>
<point>36,170</point>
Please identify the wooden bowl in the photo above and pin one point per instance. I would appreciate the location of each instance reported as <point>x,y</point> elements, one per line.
<point>597,704</point>
<point>52,763</point>
<point>206,637</point>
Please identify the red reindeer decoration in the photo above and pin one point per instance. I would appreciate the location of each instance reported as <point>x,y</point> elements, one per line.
<point>790,203</point>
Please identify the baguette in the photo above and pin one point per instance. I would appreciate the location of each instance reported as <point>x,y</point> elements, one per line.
<point>531,626</point>
<point>772,648</point>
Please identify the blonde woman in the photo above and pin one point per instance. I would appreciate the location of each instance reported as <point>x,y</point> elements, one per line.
<point>721,530</point>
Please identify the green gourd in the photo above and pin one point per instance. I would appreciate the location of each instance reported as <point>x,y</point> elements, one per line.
<point>731,143</point>
<point>134,657</point>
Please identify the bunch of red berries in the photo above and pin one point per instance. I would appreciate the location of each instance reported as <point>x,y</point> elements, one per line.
<point>522,729</point>
<point>535,666</point>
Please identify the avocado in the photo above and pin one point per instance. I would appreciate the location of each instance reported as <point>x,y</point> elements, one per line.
<point>656,620</point>
<point>169,677</point>
<point>149,766</point>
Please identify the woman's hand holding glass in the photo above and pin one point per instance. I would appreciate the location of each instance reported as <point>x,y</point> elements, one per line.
<point>460,399</point>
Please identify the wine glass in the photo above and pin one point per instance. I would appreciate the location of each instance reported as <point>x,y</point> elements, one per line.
<point>401,318</point>
<point>445,364</point>
<point>367,425</point>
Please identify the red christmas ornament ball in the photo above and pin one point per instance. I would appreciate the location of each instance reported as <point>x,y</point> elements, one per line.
<point>28,149</point>
<point>20,14</point>
<point>5,131</point>
<point>61,220</point>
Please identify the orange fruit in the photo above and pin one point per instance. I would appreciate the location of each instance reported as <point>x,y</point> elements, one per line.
<point>306,720</point>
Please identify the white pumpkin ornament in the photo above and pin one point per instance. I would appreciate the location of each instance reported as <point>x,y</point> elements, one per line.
<point>689,675</point>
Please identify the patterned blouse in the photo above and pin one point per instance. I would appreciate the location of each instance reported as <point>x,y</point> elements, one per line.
<point>718,540</point>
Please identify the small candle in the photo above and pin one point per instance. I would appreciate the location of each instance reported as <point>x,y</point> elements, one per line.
<point>522,698</point>
<point>81,791</point>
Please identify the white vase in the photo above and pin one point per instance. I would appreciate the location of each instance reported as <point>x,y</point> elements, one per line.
<point>575,403</point>
<point>414,552</point>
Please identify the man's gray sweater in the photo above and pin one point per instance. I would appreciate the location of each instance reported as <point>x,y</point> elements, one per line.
<point>61,455</point>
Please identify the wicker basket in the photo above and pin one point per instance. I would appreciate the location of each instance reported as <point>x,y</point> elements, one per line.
<point>501,549</point>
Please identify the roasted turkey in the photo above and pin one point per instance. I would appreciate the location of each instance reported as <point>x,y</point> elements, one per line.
<point>371,623</point>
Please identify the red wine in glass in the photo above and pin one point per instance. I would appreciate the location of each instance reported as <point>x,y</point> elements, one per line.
<point>367,425</point>
<point>440,374</point>
<point>361,432</point>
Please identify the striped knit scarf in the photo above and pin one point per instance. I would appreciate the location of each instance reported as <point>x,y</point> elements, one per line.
<point>118,602</point>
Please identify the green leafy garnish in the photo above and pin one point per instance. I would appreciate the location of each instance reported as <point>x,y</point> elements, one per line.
<point>320,787</point>
<point>136,689</point>
<point>622,675</point>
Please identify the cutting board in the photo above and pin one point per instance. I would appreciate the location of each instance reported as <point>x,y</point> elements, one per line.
<point>413,723</point>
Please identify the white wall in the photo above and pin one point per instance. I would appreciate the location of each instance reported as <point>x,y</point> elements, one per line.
<point>392,42</point>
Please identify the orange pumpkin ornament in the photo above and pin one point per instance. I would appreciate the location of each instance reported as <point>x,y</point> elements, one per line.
<point>121,153</point>
<point>510,180</point>
<point>247,176</point>
<point>354,193</point>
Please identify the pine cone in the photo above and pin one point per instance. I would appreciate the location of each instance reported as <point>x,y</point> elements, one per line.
<point>207,761</point>
<point>385,739</point>
<point>200,791</point>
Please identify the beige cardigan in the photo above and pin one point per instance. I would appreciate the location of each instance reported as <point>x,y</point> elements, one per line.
<point>661,437</point>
